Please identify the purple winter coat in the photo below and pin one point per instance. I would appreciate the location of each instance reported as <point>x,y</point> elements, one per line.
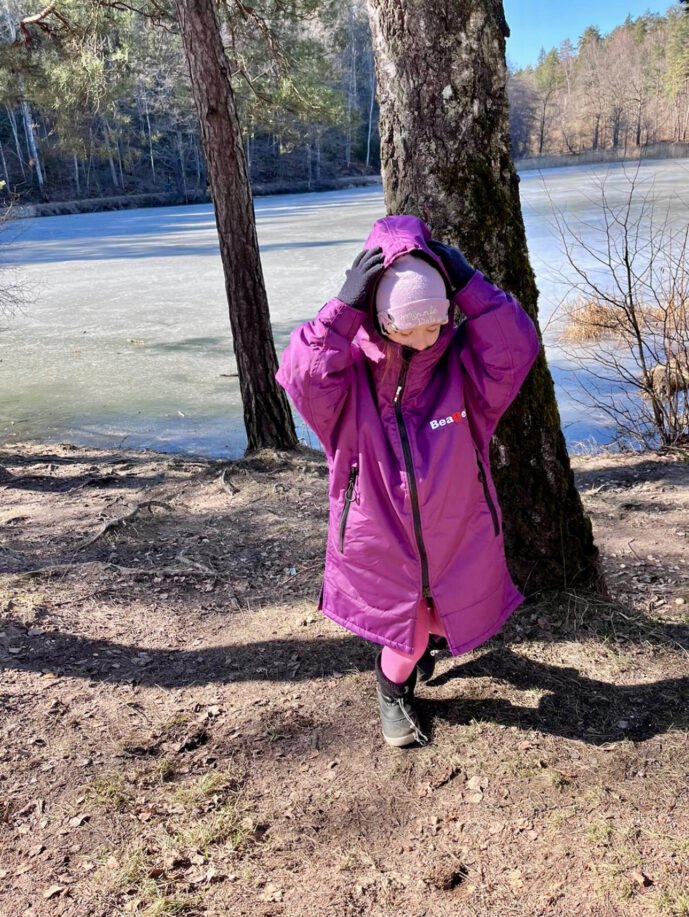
<point>413,508</point>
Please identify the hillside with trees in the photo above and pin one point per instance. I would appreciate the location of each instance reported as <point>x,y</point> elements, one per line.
<point>620,91</point>
<point>96,99</point>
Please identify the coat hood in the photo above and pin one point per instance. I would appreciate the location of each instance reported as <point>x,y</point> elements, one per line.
<point>397,236</point>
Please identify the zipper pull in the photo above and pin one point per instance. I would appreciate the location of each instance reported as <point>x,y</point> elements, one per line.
<point>397,394</point>
<point>349,493</point>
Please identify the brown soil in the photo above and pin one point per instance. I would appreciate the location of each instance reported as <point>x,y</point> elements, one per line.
<point>183,733</point>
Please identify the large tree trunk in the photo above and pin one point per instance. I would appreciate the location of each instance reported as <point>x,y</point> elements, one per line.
<point>267,414</point>
<point>446,157</point>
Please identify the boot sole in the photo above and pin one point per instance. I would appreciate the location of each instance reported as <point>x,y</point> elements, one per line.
<point>400,742</point>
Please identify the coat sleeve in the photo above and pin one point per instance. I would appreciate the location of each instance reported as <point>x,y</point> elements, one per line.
<point>498,346</point>
<point>317,367</point>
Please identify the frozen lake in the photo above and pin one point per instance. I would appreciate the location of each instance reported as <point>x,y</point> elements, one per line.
<point>126,337</point>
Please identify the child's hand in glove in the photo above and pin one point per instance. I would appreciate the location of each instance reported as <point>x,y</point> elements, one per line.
<point>361,276</point>
<point>458,268</point>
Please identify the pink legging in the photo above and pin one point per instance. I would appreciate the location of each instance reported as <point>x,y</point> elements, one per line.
<point>398,666</point>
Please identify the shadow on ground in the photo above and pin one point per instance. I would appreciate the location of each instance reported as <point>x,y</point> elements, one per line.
<point>573,706</point>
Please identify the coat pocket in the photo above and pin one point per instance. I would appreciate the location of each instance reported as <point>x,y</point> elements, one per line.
<point>349,497</point>
<point>487,495</point>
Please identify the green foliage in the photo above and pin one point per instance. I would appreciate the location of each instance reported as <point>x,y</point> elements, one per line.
<point>549,74</point>
<point>677,73</point>
<point>110,85</point>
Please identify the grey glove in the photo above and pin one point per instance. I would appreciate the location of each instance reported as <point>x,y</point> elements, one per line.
<point>458,268</point>
<point>361,276</point>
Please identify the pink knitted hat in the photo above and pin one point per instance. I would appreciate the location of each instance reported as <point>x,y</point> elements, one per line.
<point>411,292</point>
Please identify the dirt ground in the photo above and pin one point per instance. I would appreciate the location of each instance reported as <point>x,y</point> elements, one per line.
<point>183,733</point>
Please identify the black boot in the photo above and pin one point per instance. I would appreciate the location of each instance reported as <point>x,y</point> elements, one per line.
<point>426,665</point>
<point>398,717</point>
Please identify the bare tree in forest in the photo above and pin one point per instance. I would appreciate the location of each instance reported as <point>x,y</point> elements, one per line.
<point>446,157</point>
<point>549,78</point>
<point>626,323</point>
<point>592,69</point>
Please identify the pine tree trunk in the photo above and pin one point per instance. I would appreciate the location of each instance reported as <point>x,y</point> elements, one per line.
<point>267,414</point>
<point>446,157</point>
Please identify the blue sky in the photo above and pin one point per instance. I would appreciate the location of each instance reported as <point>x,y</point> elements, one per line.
<point>545,23</point>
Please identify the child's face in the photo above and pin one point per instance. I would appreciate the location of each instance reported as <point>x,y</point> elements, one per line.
<point>419,338</point>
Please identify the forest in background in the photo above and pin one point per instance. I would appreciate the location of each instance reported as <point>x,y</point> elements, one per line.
<point>96,98</point>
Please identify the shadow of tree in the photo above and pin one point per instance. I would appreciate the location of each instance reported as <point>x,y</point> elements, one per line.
<point>575,706</point>
<point>630,476</point>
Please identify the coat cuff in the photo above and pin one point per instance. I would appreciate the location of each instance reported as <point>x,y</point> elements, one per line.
<point>344,320</point>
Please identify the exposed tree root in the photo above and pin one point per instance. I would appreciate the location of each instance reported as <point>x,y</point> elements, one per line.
<point>227,485</point>
<point>122,520</point>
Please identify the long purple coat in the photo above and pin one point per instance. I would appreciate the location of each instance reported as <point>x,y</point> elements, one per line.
<point>413,508</point>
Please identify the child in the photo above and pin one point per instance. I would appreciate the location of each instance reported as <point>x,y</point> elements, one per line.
<point>405,403</point>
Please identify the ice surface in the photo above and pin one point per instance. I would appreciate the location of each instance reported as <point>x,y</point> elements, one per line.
<point>126,339</point>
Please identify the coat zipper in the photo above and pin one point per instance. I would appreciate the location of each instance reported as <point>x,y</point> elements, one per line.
<point>486,494</point>
<point>406,450</point>
<point>349,496</point>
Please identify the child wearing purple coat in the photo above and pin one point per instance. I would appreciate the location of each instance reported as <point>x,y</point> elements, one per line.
<point>405,403</point>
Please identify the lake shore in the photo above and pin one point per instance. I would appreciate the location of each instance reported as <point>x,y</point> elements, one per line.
<point>184,732</point>
<point>261,189</point>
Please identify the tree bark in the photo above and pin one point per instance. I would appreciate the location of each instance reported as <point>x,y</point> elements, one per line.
<point>267,414</point>
<point>446,157</point>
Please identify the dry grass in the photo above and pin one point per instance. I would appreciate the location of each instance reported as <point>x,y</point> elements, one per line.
<point>590,320</point>
<point>109,792</point>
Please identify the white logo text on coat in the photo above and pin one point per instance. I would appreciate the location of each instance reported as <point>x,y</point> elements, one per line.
<point>444,421</point>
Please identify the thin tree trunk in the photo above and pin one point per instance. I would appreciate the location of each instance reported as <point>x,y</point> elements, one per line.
<point>89,165</point>
<point>8,186</point>
<point>198,161</point>
<point>31,143</point>
<point>182,166</point>
<point>150,139</point>
<point>685,127</point>
<point>111,161</point>
<point>77,184</point>
<point>371,103</point>
<point>119,162</point>
<point>638,123</point>
<point>17,144</point>
<point>267,414</point>
<point>446,157</point>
